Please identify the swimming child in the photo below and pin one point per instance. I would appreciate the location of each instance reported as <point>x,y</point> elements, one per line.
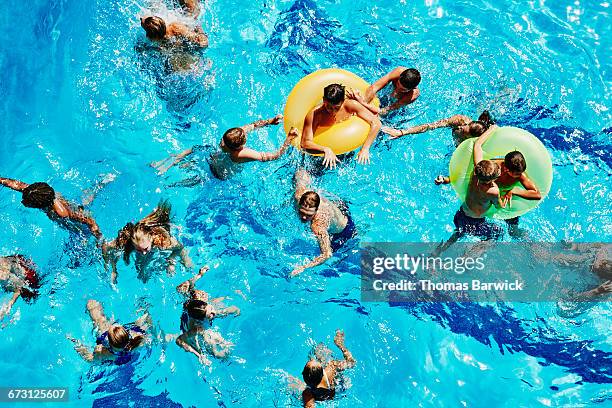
<point>40,195</point>
<point>405,82</point>
<point>233,151</point>
<point>462,127</point>
<point>335,109</point>
<point>114,341</point>
<point>173,34</point>
<point>483,192</point>
<point>196,321</point>
<point>320,379</point>
<point>18,276</point>
<point>330,221</point>
<point>147,235</point>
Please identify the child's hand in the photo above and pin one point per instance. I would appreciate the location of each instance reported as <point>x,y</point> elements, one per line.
<point>276,120</point>
<point>293,133</point>
<point>605,287</point>
<point>354,94</point>
<point>364,156</point>
<point>507,200</point>
<point>330,159</point>
<point>339,339</point>
<point>394,133</point>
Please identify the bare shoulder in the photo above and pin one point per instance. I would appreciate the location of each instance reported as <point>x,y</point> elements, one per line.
<point>395,74</point>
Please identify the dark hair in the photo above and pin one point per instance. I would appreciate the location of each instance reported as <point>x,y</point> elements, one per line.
<point>234,138</point>
<point>156,222</point>
<point>485,117</point>
<point>38,195</point>
<point>155,27</point>
<point>515,161</point>
<point>196,308</point>
<point>410,78</point>
<point>310,199</point>
<point>487,170</point>
<point>477,128</point>
<point>333,93</point>
<point>312,374</point>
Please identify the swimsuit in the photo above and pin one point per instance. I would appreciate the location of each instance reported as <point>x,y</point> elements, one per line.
<point>480,227</point>
<point>340,238</point>
<point>323,394</point>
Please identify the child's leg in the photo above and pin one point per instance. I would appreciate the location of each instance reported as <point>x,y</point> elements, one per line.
<point>97,315</point>
<point>90,194</point>
<point>216,344</point>
<point>174,159</point>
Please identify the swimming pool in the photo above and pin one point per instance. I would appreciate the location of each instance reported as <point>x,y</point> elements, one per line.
<point>79,101</point>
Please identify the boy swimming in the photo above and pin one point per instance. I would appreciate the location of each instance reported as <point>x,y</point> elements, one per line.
<point>405,82</point>
<point>233,152</point>
<point>173,34</point>
<point>114,341</point>
<point>18,276</point>
<point>335,109</point>
<point>147,236</point>
<point>197,319</point>
<point>41,196</point>
<point>320,376</point>
<point>330,222</point>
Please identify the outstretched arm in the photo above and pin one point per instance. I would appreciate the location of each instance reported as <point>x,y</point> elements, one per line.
<point>478,152</point>
<point>602,289</point>
<point>382,82</point>
<point>261,123</point>
<point>455,120</point>
<point>302,181</point>
<point>355,95</point>
<point>6,309</point>
<point>247,155</point>
<point>13,184</point>
<point>162,166</point>
<point>320,230</point>
<point>80,216</point>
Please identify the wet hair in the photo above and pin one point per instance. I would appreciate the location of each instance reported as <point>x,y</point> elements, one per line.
<point>487,170</point>
<point>119,338</point>
<point>234,138</point>
<point>310,199</point>
<point>196,309</point>
<point>410,78</point>
<point>38,195</point>
<point>477,128</point>
<point>334,94</point>
<point>156,224</point>
<point>485,117</point>
<point>515,162</point>
<point>312,373</point>
<point>155,27</point>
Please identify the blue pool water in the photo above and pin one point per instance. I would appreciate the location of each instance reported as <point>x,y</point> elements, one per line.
<point>80,100</point>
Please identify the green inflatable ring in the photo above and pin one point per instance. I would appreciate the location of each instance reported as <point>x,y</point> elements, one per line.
<point>501,142</point>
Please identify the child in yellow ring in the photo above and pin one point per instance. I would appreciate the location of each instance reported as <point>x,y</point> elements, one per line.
<point>335,109</point>
<point>232,150</point>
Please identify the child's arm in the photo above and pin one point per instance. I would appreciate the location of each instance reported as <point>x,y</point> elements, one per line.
<point>13,184</point>
<point>356,96</point>
<point>247,155</point>
<point>6,309</point>
<point>261,123</point>
<point>320,230</point>
<point>307,142</point>
<point>80,216</point>
<point>302,181</point>
<point>349,360</point>
<point>531,192</point>
<point>363,157</point>
<point>478,152</point>
<point>177,158</point>
<point>602,289</point>
<point>382,82</point>
<point>455,120</point>
<point>230,310</point>
<point>187,286</point>
<point>181,341</point>
<point>178,251</point>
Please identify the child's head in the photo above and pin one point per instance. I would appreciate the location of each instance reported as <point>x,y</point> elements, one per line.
<point>199,310</point>
<point>154,26</point>
<point>472,129</point>
<point>118,337</point>
<point>234,138</point>
<point>309,204</point>
<point>410,79</point>
<point>487,171</point>
<point>333,98</point>
<point>38,195</point>
<point>312,373</point>
<point>515,164</point>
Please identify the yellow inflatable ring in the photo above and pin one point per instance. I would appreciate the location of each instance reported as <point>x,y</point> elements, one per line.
<point>342,137</point>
